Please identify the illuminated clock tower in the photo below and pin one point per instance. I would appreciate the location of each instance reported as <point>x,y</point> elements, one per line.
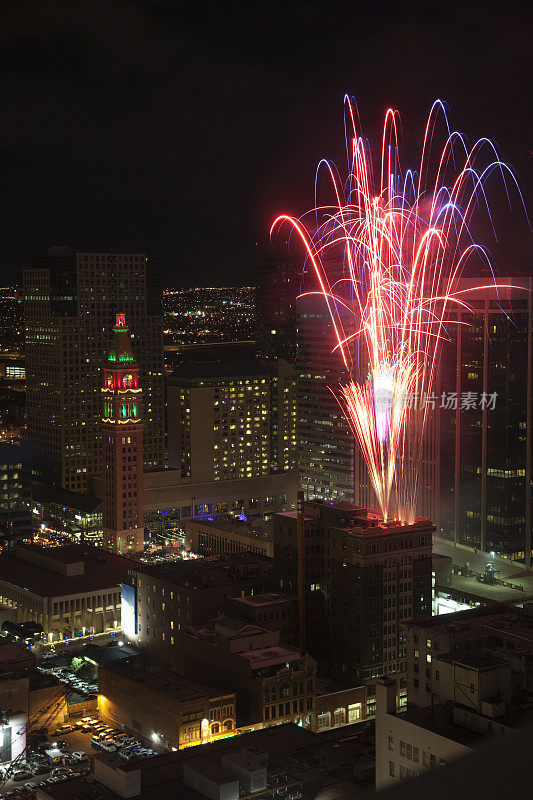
<point>122,447</point>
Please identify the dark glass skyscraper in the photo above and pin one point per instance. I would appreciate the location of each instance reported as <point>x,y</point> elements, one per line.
<point>483,473</point>
<point>71,299</point>
<point>326,445</point>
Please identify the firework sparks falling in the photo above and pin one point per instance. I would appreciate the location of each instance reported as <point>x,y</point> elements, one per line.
<point>386,256</point>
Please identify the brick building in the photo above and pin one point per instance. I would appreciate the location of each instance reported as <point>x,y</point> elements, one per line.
<point>167,709</point>
<point>364,577</point>
<point>274,683</point>
<point>171,597</point>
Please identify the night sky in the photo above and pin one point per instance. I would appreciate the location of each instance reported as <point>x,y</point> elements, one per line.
<point>182,128</point>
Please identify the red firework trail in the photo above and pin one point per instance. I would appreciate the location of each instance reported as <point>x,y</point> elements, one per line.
<point>387,255</point>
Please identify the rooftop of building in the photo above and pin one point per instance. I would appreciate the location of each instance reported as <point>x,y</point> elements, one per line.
<point>101,570</point>
<point>476,661</point>
<point>257,529</point>
<point>243,760</point>
<point>438,719</point>
<point>356,519</point>
<point>276,741</point>
<point>45,493</point>
<point>233,368</point>
<point>484,622</point>
<point>13,656</point>
<point>271,654</point>
<point>216,570</point>
<point>265,599</point>
<point>177,686</point>
<point>211,769</point>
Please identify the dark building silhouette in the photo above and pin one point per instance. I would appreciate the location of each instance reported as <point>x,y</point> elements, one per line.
<point>363,578</point>
<point>278,285</point>
<point>15,494</point>
<point>483,422</point>
<point>71,299</point>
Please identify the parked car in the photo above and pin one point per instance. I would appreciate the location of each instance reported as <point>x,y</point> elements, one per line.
<point>39,768</point>
<point>22,775</point>
<point>108,745</point>
<point>79,755</point>
<point>63,729</point>
<point>60,771</point>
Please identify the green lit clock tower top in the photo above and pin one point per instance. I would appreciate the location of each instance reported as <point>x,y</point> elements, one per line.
<point>122,393</point>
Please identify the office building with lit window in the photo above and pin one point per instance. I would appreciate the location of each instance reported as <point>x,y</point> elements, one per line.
<point>326,448</point>
<point>70,302</point>
<point>173,596</point>
<point>15,494</point>
<point>231,420</point>
<point>468,681</point>
<point>363,578</point>
<point>483,425</point>
<point>67,591</point>
<point>278,286</point>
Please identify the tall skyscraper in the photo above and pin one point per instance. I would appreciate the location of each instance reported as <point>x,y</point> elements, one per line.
<point>483,421</point>
<point>326,445</point>
<point>71,299</point>
<point>233,419</point>
<point>122,446</point>
<point>363,578</point>
<point>278,285</point>
<point>15,495</point>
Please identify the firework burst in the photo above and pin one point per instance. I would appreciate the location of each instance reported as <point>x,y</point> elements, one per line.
<point>386,256</point>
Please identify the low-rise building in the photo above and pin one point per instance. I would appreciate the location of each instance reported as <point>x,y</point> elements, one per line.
<point>470,679</point>
<point>172,500</point>
<point>476,644</point>
<point>417,740</point>
<point>72,590</point>
<point>337,706</point>
<point>165,708</point>
<point>274,682</point>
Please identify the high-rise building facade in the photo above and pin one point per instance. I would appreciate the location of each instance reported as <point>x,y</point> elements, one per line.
<point>326,450</point>
<point>363,578</point>
<point>71,299</point>
<point>122,446</point>
<point>474,474</point>
<point>15,495</point>
<point>483,421</point>
<point>278,286</point>
<point>234,419</point>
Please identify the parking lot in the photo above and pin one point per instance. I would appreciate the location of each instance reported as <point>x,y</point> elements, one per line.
<point>74,750</point>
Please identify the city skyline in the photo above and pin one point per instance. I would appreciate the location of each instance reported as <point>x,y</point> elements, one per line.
<point>266,399</point>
